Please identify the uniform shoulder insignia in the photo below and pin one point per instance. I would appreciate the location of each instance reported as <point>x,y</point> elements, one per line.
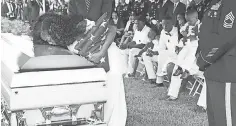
<point>229,20</point>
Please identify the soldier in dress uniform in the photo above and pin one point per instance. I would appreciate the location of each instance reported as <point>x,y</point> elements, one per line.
<point>138,7</point>
<point>152,9</point>
<point>122,11</point>
<point>217,58</point>
<point>201,6</point>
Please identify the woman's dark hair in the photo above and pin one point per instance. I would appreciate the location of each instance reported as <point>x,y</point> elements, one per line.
<point>62,29</point>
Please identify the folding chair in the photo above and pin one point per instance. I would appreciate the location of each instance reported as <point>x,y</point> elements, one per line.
<point>198,80</point>
<point>141,67</point>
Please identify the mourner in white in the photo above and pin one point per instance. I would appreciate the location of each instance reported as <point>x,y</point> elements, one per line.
<point>168,43</point>
<point>190,31</point>
<point>133,48</point>
<point>149,55</point>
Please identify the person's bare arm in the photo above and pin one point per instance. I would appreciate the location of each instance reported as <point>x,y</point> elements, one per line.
<point>110,38</point>
<point>147,46</point>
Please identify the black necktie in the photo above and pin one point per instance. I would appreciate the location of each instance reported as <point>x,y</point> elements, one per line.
<point>168,33</point>
<point>87,4</point>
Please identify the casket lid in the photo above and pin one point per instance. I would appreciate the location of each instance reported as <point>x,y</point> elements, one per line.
<point>21,68</point>
<point>19,55</point>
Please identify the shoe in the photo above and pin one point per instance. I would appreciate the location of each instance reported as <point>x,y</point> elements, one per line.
<point>164,98</point>
<point>185,75</point>
<point>178,72</point>
<point>199,109</point>
<point>166,79</point>
<point>158,85</point>
<point>152,81</point>
<point>130,75</point>
<point>171,99</point>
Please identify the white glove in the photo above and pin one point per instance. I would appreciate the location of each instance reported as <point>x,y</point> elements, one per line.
<point>154,22</point>
<point>89,25</point>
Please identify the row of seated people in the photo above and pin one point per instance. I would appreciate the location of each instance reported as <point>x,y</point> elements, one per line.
<point>174,54</point>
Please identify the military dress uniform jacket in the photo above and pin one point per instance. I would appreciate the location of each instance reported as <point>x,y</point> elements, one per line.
<point>202,7</point>
<point>139,8</point>
<point>122,11</point>
<point>217,42</point>
<point>152,10</point>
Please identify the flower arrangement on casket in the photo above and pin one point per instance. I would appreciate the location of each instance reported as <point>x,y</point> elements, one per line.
<point>15,27</point>
<point>82,37</point>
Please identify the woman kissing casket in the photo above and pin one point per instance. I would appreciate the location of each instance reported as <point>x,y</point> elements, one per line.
<point>85,38</point>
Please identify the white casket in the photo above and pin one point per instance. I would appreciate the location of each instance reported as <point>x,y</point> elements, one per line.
<point>53,89</point>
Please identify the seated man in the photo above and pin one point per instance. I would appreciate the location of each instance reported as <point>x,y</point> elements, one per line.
<point>133,48</point>
<point>176,82</point>
<point>167,48</point>
<point>190,32</point>
<point>150,55</point>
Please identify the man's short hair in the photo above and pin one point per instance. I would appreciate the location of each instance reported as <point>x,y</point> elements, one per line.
<point>167,18</point>
<point>191,10</point>
<point>141,18</point>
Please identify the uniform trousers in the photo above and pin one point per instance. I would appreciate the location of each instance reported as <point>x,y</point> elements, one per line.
<point>186,57</point>
<point>175,85</point>
<point>152,74</point>
<point>130,59</point>
<point>148,62</point>
<point>164,58</point>
<point>176,81</point>
<point>221,103</point>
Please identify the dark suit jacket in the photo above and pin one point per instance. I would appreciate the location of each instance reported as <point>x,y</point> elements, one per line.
<point>4,9</point>
<point>96,9</point>
<point>166,10</point>
<point>181,8</point>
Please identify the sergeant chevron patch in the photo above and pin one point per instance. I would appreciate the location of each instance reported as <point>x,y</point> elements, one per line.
<point>229,20</point>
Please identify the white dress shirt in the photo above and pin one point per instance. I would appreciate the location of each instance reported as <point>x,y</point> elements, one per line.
<point>169,42</point>
<point>156,45</point>
<point>141,37</point>
<point>175,6</point>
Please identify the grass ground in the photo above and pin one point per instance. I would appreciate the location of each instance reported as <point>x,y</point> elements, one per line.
<point>146,109</point>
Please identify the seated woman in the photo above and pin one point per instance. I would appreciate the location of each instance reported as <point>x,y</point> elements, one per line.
<point>128,31</point>
<point>118,22</point>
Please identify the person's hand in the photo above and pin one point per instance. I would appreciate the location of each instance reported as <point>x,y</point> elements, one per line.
<point>96,57</point>
<point>155,52</point>
<point>177,50</point>
<point>123,46</point>
<point>155,22</point>
<point>118,32</point>
<point>184,33</point>
<point>131,45</point>
<point>126,34</point>
<point>192,37</point>
<point>139,55</point>
<point>149,53</point>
